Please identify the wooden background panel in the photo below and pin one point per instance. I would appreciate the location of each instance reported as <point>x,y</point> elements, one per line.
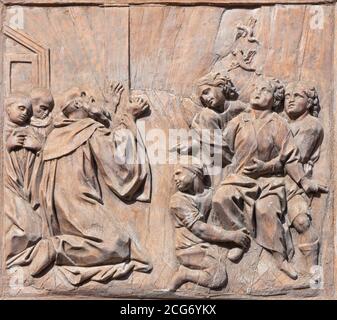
<point>2,260</point>
<point>171,46</point>
<point>178,2</point>
<point>333,120</point>
<point>87,44</point>
<point>168,49</point>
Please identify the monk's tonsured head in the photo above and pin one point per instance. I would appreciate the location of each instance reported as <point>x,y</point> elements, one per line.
<point>42,102</point>
<point>301,98</point>
<point>214,89</point>
<point>267,93</point>
<point>80,104</point>
<point>19,108</point>
<point>190,175</point>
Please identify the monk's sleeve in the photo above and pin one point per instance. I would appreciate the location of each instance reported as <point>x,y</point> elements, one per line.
<point>289,154</point>
<point>121,159</point>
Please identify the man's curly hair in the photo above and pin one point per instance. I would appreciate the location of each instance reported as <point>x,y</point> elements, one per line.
<point>217,79</point>
<point>278,92</point>
<point>310,91</point>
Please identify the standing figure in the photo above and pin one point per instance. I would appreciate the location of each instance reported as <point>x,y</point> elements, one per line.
<point>86,167</point>
<point>22,224</point>
<point>301,110</point>
<point>43,104</point>
<point>198,256</point>
<point>252,194</point>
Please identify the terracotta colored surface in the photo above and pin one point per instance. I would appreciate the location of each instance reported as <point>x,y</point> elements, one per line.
<point>85,87</point>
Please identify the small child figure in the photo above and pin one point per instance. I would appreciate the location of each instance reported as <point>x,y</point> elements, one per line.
<point>43,104</point>
<point>22,147</point>
<point>199,260</point>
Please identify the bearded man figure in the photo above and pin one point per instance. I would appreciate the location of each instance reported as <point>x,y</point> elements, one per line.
<point>85,162</point>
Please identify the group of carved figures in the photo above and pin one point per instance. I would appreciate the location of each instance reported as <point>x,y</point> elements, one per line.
<point>63,175</point>
<point>64,172</point>
<point>269,148</point>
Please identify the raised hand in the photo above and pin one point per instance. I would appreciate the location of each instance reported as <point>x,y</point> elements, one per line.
<point>113,94</point>
<point>137,107</point>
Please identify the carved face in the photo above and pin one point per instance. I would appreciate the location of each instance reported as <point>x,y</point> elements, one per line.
<point>262,96</point>
<point>212,97</point>
<point>41,108</point>
<point>295,103</point>
<point>184,179</point>
<point>19,112</point>
<point>86,106</point>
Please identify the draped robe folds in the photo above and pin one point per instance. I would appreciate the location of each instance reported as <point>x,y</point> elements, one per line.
<point>258,204</point>
<point>22,224</point>
<point>82,236</point>
<point>207,128</point>
<point>308,136</point>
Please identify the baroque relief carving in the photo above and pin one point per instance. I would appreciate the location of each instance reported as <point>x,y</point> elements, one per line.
<point>244,206</point>
<point>39,59</point>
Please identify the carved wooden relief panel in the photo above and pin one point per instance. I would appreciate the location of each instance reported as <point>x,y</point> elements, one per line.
<point>164,150</point>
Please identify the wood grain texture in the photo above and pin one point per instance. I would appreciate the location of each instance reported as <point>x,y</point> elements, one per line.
<point>163,2</point>
<point>159,51</point>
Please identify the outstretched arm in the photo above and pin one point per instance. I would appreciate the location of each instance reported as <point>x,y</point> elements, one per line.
<point>212,233</point>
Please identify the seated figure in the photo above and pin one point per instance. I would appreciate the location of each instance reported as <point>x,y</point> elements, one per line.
<point>252,194</point>
<point>198,256</point>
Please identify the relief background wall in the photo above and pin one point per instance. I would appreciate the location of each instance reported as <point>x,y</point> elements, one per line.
<point>160,50</point>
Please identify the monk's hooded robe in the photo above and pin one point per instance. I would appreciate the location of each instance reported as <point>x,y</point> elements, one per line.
<point>83,164</point>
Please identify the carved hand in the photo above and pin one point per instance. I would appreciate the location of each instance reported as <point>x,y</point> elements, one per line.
<point>15,141</point>
<point>240,238</point>
<point>114,94</point>
<point>187,147</point>
<point>31,143</point>
<point>137,107</point>
<point>313,187</point>
<point>256,169</point>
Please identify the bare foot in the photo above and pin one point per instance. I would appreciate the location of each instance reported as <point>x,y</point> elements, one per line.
<point>289,270</point>
<point>178,279</point>
<point>235,254</point>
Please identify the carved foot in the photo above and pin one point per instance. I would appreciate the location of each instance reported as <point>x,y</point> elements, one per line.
<point>235,254</point>
<point>289,270</point>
